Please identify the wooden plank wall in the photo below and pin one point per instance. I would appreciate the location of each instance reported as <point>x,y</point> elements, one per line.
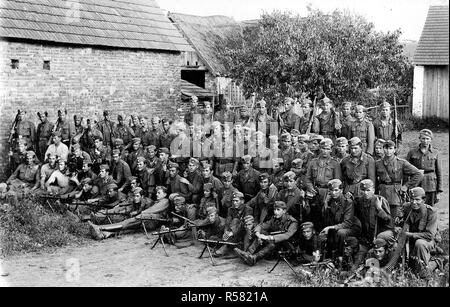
<point>436,92</point>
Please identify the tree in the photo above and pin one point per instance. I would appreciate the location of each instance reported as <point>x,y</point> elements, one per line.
<point>284,55</point>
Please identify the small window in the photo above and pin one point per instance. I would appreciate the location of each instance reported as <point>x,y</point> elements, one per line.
<point>14,64</point>
<point>46,65</point>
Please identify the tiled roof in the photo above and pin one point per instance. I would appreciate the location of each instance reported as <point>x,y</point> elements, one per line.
<point>433,43</point>
<point>115,23</point>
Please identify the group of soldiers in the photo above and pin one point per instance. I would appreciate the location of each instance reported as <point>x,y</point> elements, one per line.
<point>332,188</point>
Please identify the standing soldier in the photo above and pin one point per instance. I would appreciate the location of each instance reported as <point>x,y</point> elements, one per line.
<point>165,137</point>
<point>90,133</point>
<point>287,152</point>
<point>226,114</point>
<point>395,175</point>
<point>302,123</point>
<point>288,118</point>
<point>194,109</point>
<point>363,129</point>
<point>247,179</point>
<point>384,126</point>
<point>340,149</point>
<point>329,124</point>
<point>151,136</point>
<point>263,120</point>
<point>292,196</point>
<point>227,194</point>
<point>347,119</point>
<point>64,126</point>
<point>43,135</point>
<point>107,128</point>
<point>24,129</point>
<point>78,129</point>
<point>314,144</point>
<point>356,167</point>
<point>379,149</point>
<point>426,159</point>
<point>320,171</point>
<point>262,203</point>
<point>123,131</point>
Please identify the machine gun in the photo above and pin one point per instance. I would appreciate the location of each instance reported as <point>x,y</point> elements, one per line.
<point>189,222</point>
<point>282,255</point>
<point>207,242</point>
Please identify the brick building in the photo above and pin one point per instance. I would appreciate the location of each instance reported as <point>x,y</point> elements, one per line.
<point>86,56</point>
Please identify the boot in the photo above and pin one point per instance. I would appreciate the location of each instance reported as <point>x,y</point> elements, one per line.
<point>246,257</point>
<point>220,252</point>
<point>96,233</point>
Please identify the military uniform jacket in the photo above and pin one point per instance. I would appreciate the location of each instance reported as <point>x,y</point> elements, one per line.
<point>385,130</point>
<point>293,199</point>
<point>26,129</point>
<point>286,223</point>
<point>176,185</point>
<point>101,155</point>
<point>430,162</point>
<point>326,124</point>
<point>107,128</point>
<point>247,182</point>
<point>88,137</point>
<point>146,181</point>
<point>262,204</point>
<point>347,122</point>
<point>356,169</point>
<point>165,139</point>
<point>320,171</point>
<point>195,178</point>
<point>125,133</point>
<point>26,173</point>
<point>77,162</point>
<point>365,132</point>
<point>423,223</point>
<point>390,175</point>
<point>66,129</point>
<point>302,125</point>
<point>307,247</point>
<point>120,172</point>
<point>216,183</point>
<point>44,131</point>
<point>132,158</point>
<point>227,198</point>
<point>151,137</point>
<point>153,163</point>
<point>373,221</point>
<point>288,156</point>
<point>235,219</point>
<point>288,120</point>
<point>103,183</point>
<point>157,209</point>
<point>277,179</point>
<point>340,213</point>
<point>215,229</point>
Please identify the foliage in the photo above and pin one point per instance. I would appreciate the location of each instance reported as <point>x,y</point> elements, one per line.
<point>29,227</point>
<point>339,53</point>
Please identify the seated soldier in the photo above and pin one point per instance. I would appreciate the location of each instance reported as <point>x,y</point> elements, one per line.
<point>178,184</point>
<point>26,177</point>
<point>212,227</point>
<point>194,176</point>
<point>296,167</point>
<point>47,169</point>
<point>347,261</point>
<point>103,179</point>
<point>265,242</point>
<point>111,207</point>
<point>381,252</point>
<point>146,211</point>
<point>86,171</point>
<point>262,203</point>
<point>276,176</point>
<point>379,149</point>
<point>120,170</point>
<point>60,181</point>
<point>309,249</point>
<point>227,193</point>
<point>338,219</point>
<point>293,197</point>
<point>77,158</point>
<point>209,199</point>
<point>246,245</point>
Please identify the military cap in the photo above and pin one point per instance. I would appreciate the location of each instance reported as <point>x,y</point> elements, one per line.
<point>238,194</point>
<point>278,160</point>
<point>379,242</point>
<point>263,176</point>
<point>61,159</point>
<point>56,133</point>
<point>380,141</point>
<point>105,112</point>
<point>385,104</point>
<point>119,117</point>
<point>172,196</point>
<point>355,141</point>
<point>351,242</point>
<point>31,153</point>
<point>417,192</point>
<point>137,190</point>
<point>246,159</point>
<point>3,187</point>
<point>389,144</point>
<point>261,103</point>
<point>86,181</point>
<point>164,150</point>
<point>341,141</point>
<point>98,137</point>
<point>179,200</point>
<point>304,137</point>
<point>307,101</point>
<point>207,186</point>
<point>366,184</point>
<point>140,159</point>
<point>207,103</point>
<point>116,152</point>
<point>173,165</point>
<point>286,136</point>
<point>211,209</point>
<point>194,161</point>
<point>316,137</point>
<point>112,186</point>
<point>280,204</point>
<point>325,100</point>
<point>326,142</point>
<point>105,167</point>
<point>295,132</point>
<point>289,176</point>
<point>87,160</point>
<point>118,142</point>
<point>347,103</point>
<point>206,164</point>
<point>131,178</point>
<point>307,225</point>
<point>76,146</point>
<point>249,219</point>
<point>136,140</point>
<point>334,183</point>
<point>151,147</point>
<point>227,176</point>
<point>297,163</point>
<point>360,107</point>
<point>426,132</point>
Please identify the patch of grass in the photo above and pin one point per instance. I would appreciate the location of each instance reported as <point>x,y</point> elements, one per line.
<point>29,227</point>
<point>414,123</point>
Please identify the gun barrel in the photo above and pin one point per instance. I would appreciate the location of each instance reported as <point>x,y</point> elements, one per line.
<point>217,242</point>
<point>157,233</point>
<point>182,217</point>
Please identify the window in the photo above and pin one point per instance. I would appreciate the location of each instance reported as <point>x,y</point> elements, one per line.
<point>46,65</point>
<point>14,64</point>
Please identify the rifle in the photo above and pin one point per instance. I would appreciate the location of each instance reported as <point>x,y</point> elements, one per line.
<point>395,123</point>
<point>172,230</point>
<point>207,242</point>
<point>313,114</point>
<point>13,127</point>
<point>183,218</point>
<point>150,218</point>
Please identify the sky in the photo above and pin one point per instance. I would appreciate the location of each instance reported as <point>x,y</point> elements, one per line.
<point>387,15</point>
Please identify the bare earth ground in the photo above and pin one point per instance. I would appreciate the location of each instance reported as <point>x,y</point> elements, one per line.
<point>129,261</point>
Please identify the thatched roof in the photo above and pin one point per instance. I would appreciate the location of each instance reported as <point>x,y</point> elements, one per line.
<point>433,43</point>
<point>115,23</point>
<point>203,33</point>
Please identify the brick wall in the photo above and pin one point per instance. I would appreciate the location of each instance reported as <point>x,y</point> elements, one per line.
<point>84,81</point>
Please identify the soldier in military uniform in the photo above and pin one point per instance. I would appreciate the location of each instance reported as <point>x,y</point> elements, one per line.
<point>302,123</point>
<point>266,243</point>
<point>165,137</point>
<point>276,176</point>
<point>18,157</point>
<point>26,177</point>
<point>329,122</point>
<point>151,137</point>
<point>24,129</point>
<point>190,116</point>
<point>227,194</point>
<point>43,135</point>
<point>65,128</point>
<point>309,247</point>
<point>262,203</point>
<point>145,178</point>
<point>427,159</point>
<point>263,120</point>
<point>78,129</point>
<point>208,177</point>
<point>356,167</point>
<point>384,126</point>
<point>262,161</point>
<point>101,154</point>
<point>194,176</point>
<point>363,129</point>
<point>320,171</point>
<point>123,131</point>
<point>395,175</point>
<point>76,159</point>
<point>178,184</point>
<point>292,196</point>
<point>135,151</point>
<point>120,170</point>
<point>340,150</point>
<point>314,145</point>
<point>287,152</point>
<point>107,128</point>
<point>226,114</point>
<point>347,119</point>
<point>378,153</point>
<point>247,179</point>
<point>90,133</point>
<point>288,117</point>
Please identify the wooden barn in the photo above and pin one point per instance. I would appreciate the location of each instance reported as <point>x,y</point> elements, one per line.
<point>430,94</point>
<point>86,56</point>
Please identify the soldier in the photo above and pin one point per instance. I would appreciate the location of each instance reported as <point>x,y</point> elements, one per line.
<point>226,114</point>
<point>58,148</point>
<point>153,161</point>
<point>165,136</point>
<point>86,171</point>
<point>122,131</point>
<point>247,179</point>
<point>338,219</point>
<point>381,252</point>
<point>178,184</point>
<point>287,152</point>
<point>422,225</point>
<point>47,169</point>
<point>266,243</point>
<point>90,133</point>
<point>24,129</point>
<point>262,203</point>
<point>107,128</point>
<point>288,118</point>
<point>161,172</point>
<point>43,135</point>
<point>356,167</point>
<point>292,196</point>
<point>59,182</point>
<point>136,151</point>
<point>227,194</point>
<point>302,123</point>
<point>309,249</point>
<point>117,207</point>
<point>212,227</point>
<point>363,129</point>
<point>384,126</point>
<point>78,129</point>
<point>146,179</point>
<point>104,178</point>
<point>263,120</point>
<point>180,147</point>
<point>314,145</point>
<point>395,175</point>
<point>379,149</point>
<point>297,169</point>
<point>340,150</point>
<point>65,128</point>
<point>209,199</point>
<point>208,177</point>
<point>194,109</point>
<point>194,176</point>
<point>276,176</point>
<point>262,161</point>
<point>120,170</point>
<point>136,126</point>
<point>151,136</point>
<point>426,158</point>
<point>101,154</point>
<point>18,157</point>
<point>346,119</point>
<point>320,171</point>
<point>76,159</point>
<point>26,177</point>
<point>329,122</point>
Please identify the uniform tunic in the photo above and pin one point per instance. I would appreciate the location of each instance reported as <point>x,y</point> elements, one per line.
<point>365,132</point>
<point>356,169</point>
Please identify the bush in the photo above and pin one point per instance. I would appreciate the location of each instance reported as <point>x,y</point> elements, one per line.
<point>29,227</point>
<point>433,123</point>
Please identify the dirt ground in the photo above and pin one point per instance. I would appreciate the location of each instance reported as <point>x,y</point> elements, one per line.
<point>129,261</point>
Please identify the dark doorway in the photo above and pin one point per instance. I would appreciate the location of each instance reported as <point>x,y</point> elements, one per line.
<point>196,77</point>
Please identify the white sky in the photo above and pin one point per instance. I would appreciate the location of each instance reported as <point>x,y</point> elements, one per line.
<point>387,15</point>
